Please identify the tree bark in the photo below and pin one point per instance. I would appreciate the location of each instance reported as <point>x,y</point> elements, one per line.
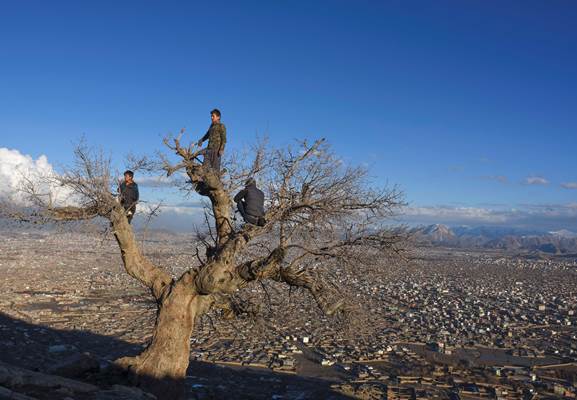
<point>161,368</point>
<point>135,263</point>
<point>220,200</point>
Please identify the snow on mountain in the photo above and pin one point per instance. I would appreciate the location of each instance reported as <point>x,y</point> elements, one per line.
<point>504,238</point>
<point>564,233</point>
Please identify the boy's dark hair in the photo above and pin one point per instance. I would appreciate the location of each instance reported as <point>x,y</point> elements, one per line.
<point>216,112</point>
<point>129,173</point>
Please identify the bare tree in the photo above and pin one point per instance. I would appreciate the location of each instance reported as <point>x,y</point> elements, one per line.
<point>319,210</point>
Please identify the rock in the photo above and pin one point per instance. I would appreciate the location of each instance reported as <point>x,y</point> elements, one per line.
<point>64,391</point>
<point>75,366</point>
<point>9,394</point>
<point>61,348</point>
<point>14,377</point>
<point>119,392</point>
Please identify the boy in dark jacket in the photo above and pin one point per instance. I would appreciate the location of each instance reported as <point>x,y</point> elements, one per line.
<point>250,203</point>
<point>129,195</point>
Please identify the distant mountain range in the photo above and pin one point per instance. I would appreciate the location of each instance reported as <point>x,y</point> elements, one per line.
<point>558,242</point>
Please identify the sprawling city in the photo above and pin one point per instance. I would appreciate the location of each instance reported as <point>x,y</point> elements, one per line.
<point>440,323</point>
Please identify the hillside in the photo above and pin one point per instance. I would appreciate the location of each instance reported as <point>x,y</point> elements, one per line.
<point>502,238</point>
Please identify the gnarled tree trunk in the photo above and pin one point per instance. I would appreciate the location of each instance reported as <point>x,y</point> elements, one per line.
<point>161,368</point>
<point>317,211</point>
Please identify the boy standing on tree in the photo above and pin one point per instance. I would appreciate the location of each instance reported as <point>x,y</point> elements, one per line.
<point>216,136</point>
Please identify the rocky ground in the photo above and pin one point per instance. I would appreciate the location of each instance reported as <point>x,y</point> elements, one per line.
<point>67,304</point>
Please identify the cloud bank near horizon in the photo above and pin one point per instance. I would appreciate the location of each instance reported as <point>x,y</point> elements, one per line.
<point>16,167</point>
<point>543,217</point>
<point>530,216</point>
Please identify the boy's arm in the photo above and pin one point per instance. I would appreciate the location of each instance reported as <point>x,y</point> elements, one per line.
<point>239,196</point>
<point>205,137</point>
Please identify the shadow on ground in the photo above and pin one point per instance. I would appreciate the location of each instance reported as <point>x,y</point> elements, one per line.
<point>41,348</point>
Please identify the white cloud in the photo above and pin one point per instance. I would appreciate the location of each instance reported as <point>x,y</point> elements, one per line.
<point>17,169</point>
<point>160,181</point>
<point>14,165</point>
<point>462,214</point>
<point>183,209</point>
<point>536,216</point>
<point>569,185</point>
<point>182,217</point>
<point>536,180</point>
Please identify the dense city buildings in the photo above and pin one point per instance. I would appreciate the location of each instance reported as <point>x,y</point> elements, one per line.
<point>442,324</point>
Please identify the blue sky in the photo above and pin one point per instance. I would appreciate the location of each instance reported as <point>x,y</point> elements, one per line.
<point>463,104</point>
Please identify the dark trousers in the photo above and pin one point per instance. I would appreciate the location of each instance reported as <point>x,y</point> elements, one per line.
<point>130,211</point>
<point>211,158</point>
<point>251,219</point>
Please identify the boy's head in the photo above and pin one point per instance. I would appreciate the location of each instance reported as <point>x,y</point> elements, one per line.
<point>128,176</point>
<point>215,115</point>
